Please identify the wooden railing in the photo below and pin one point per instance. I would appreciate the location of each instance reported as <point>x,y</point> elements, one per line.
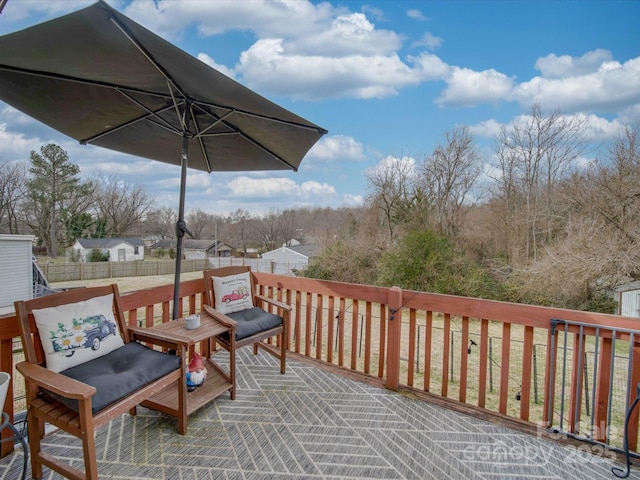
<point>486,355</point>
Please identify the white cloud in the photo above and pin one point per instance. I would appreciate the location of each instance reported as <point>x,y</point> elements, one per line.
<point>265,17</point>
<point>347,35</point>
<point>563,66</point>
<point>487,129</point>
<point>349,200</point>
<point>611,86</point>
<point>256,188</point>
<point>203,57</point>
<point>391,164</point>
<point>336,148</point>
<point>467,87</point>
<point>303,50</point>
<point>429,40</point>
<point>15,147</point>
<point>630,115</point>
<point>416,15</point>
<point>266,67</point>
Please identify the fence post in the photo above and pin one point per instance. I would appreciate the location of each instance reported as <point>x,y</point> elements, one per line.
<point>393,344</point>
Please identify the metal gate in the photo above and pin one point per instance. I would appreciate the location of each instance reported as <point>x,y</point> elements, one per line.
<point>594,372</point>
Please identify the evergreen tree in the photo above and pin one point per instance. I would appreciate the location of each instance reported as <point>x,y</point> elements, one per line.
<point>55,194</point>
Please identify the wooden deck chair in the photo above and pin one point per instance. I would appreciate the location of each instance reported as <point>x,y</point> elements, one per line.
<point>83,369</point>
<point>231,293</point>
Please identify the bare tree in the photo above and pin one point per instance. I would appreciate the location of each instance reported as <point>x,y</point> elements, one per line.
<point>391,186</point>
<point>239,220</point>
<point>120,205</point>
<point>447,178</point>
<point>12,177</point>
<point>161,223</point>
<point>268,230</point>
<point>201,224</point>
<point>534,154</point>
<point>288,225</point>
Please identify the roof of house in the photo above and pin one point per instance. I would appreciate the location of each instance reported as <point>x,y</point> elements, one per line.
<point>109,242</point>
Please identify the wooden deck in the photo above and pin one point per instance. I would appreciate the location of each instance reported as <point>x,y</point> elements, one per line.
<point>313,424</point>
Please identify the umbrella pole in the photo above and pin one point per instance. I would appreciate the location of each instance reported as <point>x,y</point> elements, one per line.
<point>181,226</point>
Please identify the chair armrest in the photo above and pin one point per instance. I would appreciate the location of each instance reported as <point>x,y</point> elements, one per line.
<point>275,303</point>
<point>220,317</point>
<point>160,338</point>
<point>55,382</point>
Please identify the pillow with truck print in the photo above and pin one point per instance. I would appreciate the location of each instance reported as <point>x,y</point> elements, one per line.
<point>232,293</point>
<point>74,333</point>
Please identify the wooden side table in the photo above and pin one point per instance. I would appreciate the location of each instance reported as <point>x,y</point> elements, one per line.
<point>218,379</point>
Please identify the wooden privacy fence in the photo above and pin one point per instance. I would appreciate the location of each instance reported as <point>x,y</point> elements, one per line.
<point>417,341</point>
<point>72,271</point>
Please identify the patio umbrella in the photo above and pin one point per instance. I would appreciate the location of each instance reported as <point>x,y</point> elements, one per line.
<point>102,79</point>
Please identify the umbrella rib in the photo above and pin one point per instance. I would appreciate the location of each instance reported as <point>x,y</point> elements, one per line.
<point>147,55</point>
<point>200,142</point>
<point>166,126</point>
<point>257,144</point>
<point>237,131</point>
<point>93,83</point>
<point>262,117</point>
<point>155,115</point>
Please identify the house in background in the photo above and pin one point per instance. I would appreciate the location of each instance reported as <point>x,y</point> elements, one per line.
<point>287,260</point>
<point>116,249</point>
<point>195,249</point>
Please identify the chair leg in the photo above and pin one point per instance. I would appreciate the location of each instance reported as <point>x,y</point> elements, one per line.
<point>283,354</point>
<point>88,441</point>
<point>35,427</point>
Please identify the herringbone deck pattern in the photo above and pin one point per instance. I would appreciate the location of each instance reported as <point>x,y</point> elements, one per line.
<point>310,424</point>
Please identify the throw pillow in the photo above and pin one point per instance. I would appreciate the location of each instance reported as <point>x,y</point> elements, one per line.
<point>232,293</point>
<point>74,333</point>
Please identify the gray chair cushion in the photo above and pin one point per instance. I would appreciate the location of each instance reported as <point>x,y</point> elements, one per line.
<point>254,320</point>
<point>120,373</point>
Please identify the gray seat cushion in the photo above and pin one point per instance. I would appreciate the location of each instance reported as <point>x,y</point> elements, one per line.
<point>254,320</point>
<point>120,373</point>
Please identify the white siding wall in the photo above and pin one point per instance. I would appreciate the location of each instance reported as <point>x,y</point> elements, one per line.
<point>16,269</point>
<point>282,261</point>
<point>129,255</point>
<point>630,303</point>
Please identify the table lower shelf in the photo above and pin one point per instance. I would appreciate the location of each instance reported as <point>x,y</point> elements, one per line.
<point>167,400</point>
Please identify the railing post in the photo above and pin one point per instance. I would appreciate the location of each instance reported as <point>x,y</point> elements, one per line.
<point>393,341</point>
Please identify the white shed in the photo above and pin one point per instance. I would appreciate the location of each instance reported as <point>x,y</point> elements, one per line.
<point>629,299</point>
<point>16,269</point>
<point>285,260</point>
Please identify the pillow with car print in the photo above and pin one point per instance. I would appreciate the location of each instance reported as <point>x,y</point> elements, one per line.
<point>232,293</point>
<point>75,333</point>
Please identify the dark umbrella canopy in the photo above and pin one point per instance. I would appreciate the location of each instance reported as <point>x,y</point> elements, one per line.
<point>102,79</point>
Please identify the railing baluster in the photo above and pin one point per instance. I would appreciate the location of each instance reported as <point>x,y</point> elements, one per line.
<point>484,356</point>
<point>504,368</point>
<point>354,335</point>
<point>527,369</point>
<point>464,357</point>
<point>427,350</point>
<point>411,357</point>
<point>446,338</point>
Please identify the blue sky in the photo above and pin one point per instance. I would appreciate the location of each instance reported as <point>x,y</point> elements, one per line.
<point>386,78</point>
